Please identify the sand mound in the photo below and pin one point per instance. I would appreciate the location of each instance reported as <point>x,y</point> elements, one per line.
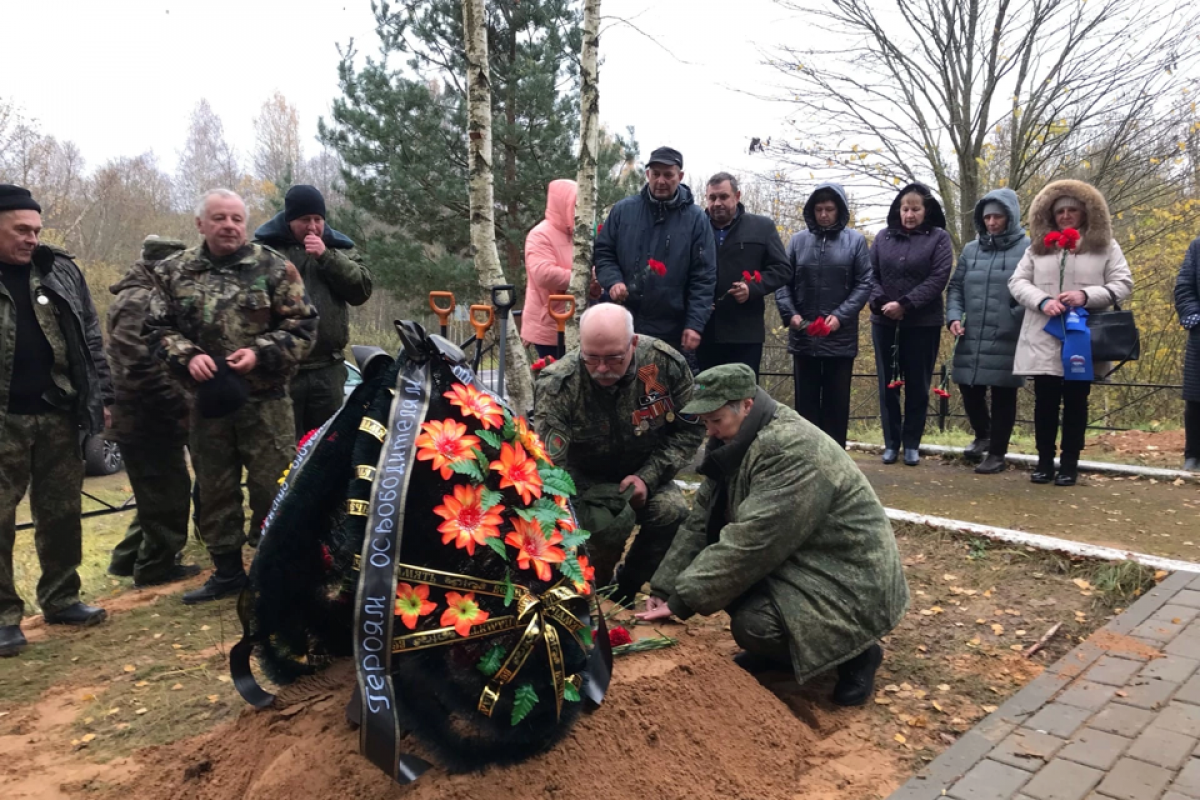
<point>683,722</point>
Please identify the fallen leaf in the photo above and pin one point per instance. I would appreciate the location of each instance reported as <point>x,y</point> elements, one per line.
<point>112,711</point>
<point>1081,583</point>
<point>949,577</point>
<point>906,687</point>
<point>176,687</point>
<point>141,711</point>
<point>141,684</point>
<point>224,679</point>
<point>1016,647</point>
<point>87,737</point>
<point>989,709</point>
<point>130,668</point>
<point>918,722</point>
<point>882,701</point>
<point>205,627</point>
<point>997,628</point>
<point>891,687</point>
<point>1020,633</point>
<point>938,706</point>
<point>943,687</point>
<point>899,737</point>
<point>87,698</point>
<point>212,698</point>
<point>974,642</point>
<point>177,646</point>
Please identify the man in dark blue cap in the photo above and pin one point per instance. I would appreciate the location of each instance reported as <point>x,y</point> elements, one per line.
<point>54,386</point>
<point>656,255</point>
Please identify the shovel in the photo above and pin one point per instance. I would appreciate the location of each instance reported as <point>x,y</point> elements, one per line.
<point>508,291</point>
<point>443,313</point>
<point>481,327</point>
<point>560,318</point>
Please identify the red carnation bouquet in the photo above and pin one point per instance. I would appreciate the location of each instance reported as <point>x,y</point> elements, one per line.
<point>752,277</point>
<point>1065,240</point>
<point>657,267</point>
<point>897,376</point>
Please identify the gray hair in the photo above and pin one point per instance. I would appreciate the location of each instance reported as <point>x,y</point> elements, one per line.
<point>721,177</point>
<point>602,309</point>
<point>202,203</point>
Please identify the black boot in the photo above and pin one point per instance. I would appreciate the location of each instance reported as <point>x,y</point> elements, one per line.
<point>1045,470</point>
<point>76,614</point>
<point>176,572</point>
<point>12,641</point>
<point>229,578</point>
<point>1068,470</point>
<point>994,463</point>
<point>974,453</point>
<point>856,677</point>
<point>890,455</point>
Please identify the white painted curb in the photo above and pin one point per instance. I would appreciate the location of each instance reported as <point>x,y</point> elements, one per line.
<point>1031,461</point>
<point>1027,539</point>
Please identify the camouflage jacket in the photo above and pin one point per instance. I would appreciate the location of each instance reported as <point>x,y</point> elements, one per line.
<point>803,523</point>
<point>601,435</point>
<point>335,280</point>
<point>253,298</point>
<point>56,272</point>
<point>149,406</point>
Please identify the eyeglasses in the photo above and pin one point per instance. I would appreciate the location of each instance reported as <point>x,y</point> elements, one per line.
<point>608,361</point>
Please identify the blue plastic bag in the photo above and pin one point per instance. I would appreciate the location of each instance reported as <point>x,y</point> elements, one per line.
<point>1072,330</point>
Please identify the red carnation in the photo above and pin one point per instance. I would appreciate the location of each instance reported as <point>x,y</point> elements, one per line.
<point>1052,238</point>
<point>757,276</point>
<point>941,393</point>
<point>818,327</point>
<point>542,363</point>
<point>1070,238</point>
<point>657,267</point>
<point>895,384</point>
<point>618,636</point>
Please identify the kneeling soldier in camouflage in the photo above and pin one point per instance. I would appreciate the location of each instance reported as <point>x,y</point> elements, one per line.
<point>787,536</point>
<point>232,321</point>
<point>608,414</point>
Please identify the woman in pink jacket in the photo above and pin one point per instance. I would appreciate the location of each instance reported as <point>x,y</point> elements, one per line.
<point>549,251</point>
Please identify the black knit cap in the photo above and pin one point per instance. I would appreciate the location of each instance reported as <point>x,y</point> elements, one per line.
<point>223,393</point>
<point>15,198</point>
<point>302,200</point>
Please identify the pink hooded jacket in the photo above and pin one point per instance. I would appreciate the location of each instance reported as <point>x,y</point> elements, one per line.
<point>549,252</point>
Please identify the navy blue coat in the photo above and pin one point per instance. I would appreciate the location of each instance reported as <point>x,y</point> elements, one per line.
<point>912,267</point>
<point>1187,302</point>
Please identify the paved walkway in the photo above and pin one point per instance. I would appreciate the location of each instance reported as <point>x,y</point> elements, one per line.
<point>1118,718</point>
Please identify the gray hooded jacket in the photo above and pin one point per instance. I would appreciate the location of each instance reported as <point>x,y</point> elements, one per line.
<point>979,299</point>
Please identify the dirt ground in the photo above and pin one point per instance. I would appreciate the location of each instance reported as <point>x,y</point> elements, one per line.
<point>1144,515</point>
<point>143,704</point>
<point>1151,448</point>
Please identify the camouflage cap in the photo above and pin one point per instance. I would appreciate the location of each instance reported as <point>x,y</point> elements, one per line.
<point>720,385</point>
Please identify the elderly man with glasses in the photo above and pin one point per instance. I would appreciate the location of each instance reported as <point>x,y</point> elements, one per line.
<point>609,413</point>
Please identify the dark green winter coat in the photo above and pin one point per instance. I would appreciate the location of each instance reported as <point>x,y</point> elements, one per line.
<point>805,525</point>
<point>979,299</point>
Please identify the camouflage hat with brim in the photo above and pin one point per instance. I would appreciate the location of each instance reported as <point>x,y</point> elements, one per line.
<point>720,385</point>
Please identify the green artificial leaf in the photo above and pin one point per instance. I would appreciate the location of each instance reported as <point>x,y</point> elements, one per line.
<point>585,633</point>
<point>548,512</point>
<point>490,437</point>
<point>509,431</point>
<point>492,660</point>
<point>570,692</point>
<point>497,545</point>
<point>526,514</point>
<point>556,481</point>
<point>468,467</point>
<point>569,567</point>
<point>575,538</point>
<point>490,499</point>
<point>524,699</point>
<point>510,589</point>
<point>482,461</point>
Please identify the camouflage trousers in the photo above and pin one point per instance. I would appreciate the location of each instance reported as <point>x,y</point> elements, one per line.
<point>260,437</point>
<point>317,394</point>
<point>41,452</point>
<point>658,520</point>
<point>757,626</point>
<point>158,532</point>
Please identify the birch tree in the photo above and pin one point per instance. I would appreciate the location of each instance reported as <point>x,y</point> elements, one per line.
<point>589,136</point>
<point>482,196</point>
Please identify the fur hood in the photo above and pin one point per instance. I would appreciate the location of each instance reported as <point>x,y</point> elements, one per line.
<point>1097,225</point>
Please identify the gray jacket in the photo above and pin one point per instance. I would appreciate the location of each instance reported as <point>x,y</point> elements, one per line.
<point>979,299</point>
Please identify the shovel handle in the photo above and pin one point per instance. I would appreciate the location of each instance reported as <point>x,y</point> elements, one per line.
<point>481,326</point>
<point>443,312</point>
<point>561,317</point>
<point>509,292</point>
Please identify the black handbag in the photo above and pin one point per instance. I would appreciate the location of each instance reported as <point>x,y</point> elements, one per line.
<point>1115,336</point>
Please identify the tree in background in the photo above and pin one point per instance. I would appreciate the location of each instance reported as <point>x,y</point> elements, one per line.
<point>401,131</point>
<point>207,161</point>
<point>278,157</point>
<point>922,90</point>
<point>589,141</point>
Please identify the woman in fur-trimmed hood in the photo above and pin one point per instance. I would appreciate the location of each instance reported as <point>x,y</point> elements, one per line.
<point>1095,276</point>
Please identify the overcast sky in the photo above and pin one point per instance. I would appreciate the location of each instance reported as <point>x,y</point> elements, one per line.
<point>121,77</point>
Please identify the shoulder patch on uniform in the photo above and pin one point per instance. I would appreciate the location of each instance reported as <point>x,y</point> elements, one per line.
<point>663,347</point>
<point>556,443</point>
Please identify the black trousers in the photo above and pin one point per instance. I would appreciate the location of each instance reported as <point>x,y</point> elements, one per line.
<point>918,353</point>
<point>1050,392</point>
<point>1191,425</point>
<point>996,427</point>
<point>714,354</point>
<point>544,350</point>
<point>823,393</point>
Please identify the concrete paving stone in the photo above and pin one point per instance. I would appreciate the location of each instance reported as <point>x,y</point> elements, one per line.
<point>951,765</point>
<point>1188,781</point>
<point>1188,597</point>
<point>918,789</point>
<point>1151,694</point>
<point>1167,796</point>
<point>1177,613</point>
<point>1195,584</point>
<point>1166,623</point>
<point>1063,780</point>
<point>1150,602</point>
<point>1115,671</point>
<point>1131,779</point>
<point>1169,668</point>
<point>1087,694</point>
<point>1032,696</point>
<point>1185,644</point>
<point>989,780</point>
<point>1122,720</point>
<point>1180,718</point>
<point>1059,720</point>
<point>1094,748</point>
<point>1163,748</point>
<point>1026,749</point>
<point>1190,691</point>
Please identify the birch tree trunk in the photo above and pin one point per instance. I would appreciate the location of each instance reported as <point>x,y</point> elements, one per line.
<point>518,381</point>
<point>589,135</point>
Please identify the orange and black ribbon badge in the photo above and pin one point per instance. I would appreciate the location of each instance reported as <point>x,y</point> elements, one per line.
<point>648,375</point>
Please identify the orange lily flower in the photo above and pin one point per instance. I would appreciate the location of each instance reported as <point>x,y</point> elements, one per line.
<point>518,471</point>
<point>536,551</point>
<point>530,440</point>
<point>589,576</point>
<point>412,602</point>
<point>467,522</point>
<point>445,443</point>
<point>463,612</point>
<point>476,404</point>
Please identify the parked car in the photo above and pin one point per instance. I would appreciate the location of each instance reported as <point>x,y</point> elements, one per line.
<point>100,456</point>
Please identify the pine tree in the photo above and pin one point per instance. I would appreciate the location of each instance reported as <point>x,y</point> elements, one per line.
<point>401,132</point>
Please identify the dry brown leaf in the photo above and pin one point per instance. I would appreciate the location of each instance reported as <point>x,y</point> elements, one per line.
<point>176,687</point>
<point>943,687</point>
<point>882,701</point>
<point>212,698</point>
<point>87,737</point>
<point>938,706</point>
<point>142,684</point>
<point>141,711</point>
<point>205,627</point>
<point>130,668</point>
<point>899,737</point>
<point>989,709</point>
<point>997,628</point>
